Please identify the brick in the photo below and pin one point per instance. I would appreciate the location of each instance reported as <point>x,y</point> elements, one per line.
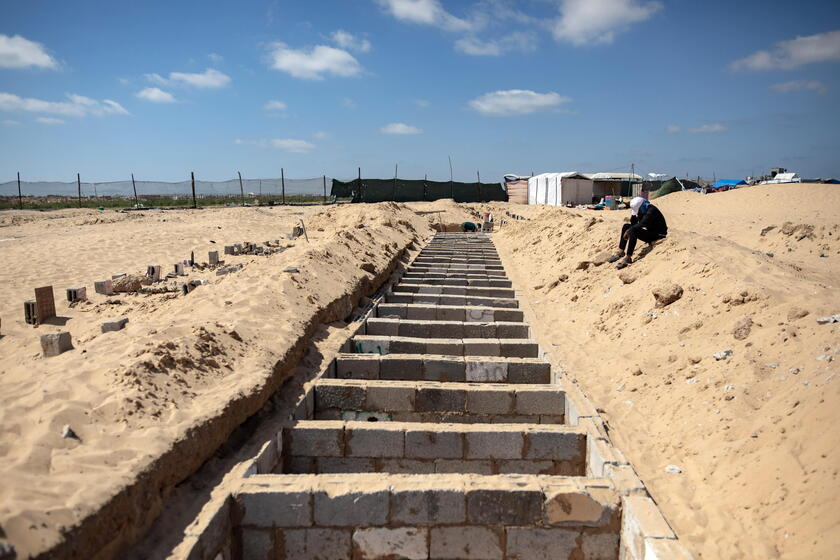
<point>407,466</point>
<point>488,401</point>
<point>316,441</point>
<point>339,506</point>
<point>258,544</point>
<point>327,465</point>
<point>533,372</point>
<point>373,441</point>
<point>54,344</point>
<point>410,543</point>
<point>433,444</point>
<point>431,399</point>
<point>342,397</point>
<point>276,508</point>
<point>465,543</point>
<point>359,366</point>
<point>428,506</point>
<point>481,347</point>
<point>540,401</point>
<point>391,367</point>
<point>315,544</point>
<point>444,369</point>
<point>494,444</point>
<point>541,544</point>
<point>463,467</point>
<point>504,506</point>
<point>486,371</point>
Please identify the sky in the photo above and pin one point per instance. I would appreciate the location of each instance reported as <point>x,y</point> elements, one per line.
<point>160,89</point>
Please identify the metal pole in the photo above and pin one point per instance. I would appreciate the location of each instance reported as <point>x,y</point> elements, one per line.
<point>283,183</point>
<point>192,179</point>
<point>396,169</point>
<point>20,196</point>
<point>241,190</point>
<point>79,186</point>
<point>451,187</point>
<point>325,189</point>
<point>360,185</point>
<point>134,186</point>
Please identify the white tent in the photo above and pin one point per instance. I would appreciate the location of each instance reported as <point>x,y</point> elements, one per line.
<point>557,189</point>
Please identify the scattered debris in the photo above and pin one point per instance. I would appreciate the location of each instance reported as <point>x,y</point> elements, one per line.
<point>794,371</point>
<point>742,328</point>
<point>667,294</point>
<point>292,269</point>
<point>113,326</point>
<point>130,283</point>
<point>726,354</point>
<point>68,433</point>
<point>673,469</point>
<point>828,320</point>
<point>368,267</point>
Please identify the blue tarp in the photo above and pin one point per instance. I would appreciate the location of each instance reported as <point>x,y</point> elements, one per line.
<point>727,183</point>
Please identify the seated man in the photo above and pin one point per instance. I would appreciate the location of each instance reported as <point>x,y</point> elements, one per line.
<point>469,226</point>
<point>646,223</point>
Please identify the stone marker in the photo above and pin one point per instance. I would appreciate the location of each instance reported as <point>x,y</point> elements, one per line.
<point>229,250</point>
<point>104,287</point>
<point>79,293</point>
<point>30,312</point>
<point>55,343</point>
<point>117,275</point>
<point>153,272</point>
<point>179,269</point>
<point>213,257</point>
<point>44,303</point>
<point>111,326</point>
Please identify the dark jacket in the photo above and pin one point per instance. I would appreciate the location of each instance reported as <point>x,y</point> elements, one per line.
<point>652,220</point>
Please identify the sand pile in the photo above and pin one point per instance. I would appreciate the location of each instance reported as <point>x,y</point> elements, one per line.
<point>706,354</point>
<point>150,402</point>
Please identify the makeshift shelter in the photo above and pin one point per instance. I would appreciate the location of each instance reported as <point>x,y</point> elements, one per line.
<point>726,184</point>
<point>783,178</point>
<point>517,189</point>
<point>615,184</point>
<point>673,185</point>
<point>558,189</point>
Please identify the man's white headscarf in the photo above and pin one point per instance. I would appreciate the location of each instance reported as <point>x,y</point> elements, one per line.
<point>636,204</point>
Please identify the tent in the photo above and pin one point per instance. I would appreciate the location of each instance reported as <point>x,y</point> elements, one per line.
<point>726,184</point>
<point>673,185</point>
<point>517,189</point>
<point>558,189</point>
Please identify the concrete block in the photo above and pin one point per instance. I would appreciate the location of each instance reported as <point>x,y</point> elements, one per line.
<point>112,326</point>
<point>486,371</point>
<point>315,544</point>
<point>463,467</point>
<point>529,466</point>
<point>258,544</point>
<point>604,546</point>
<point>642,521</point>
<point>509,315</point>
<point>465,543</point>
<point>591,507</point>
<point>77,293</point>
<point>496,444</point>
<point>104,287</point>
<point>436,399</point>
<point>316,441</point>
<point>391,310</point>
<point>556,445</point>
<point>338,505</point>
<point>482,347</point>
<point>433,444</point>
<point>480,315</point>
<point>153,272</point>
<point>394,367</point>
<point>512,330</point>
<point>541,544</point>
<point>487,401</point>
<point>447,329</point>
<point>390,398</point>
<point>445,347</point>
<point>508,506</point>
<point>342,397</point>
<point>415,329</point>
<point>665,549</point>
<point>420,503</point>
<point>383,327</point>
<point>518,348</point>
<point>373,441</point>
<point>213,258</point>
<point>358,366</point>
<point>540,401</point>
<point>328,465</point>
<point>30,312</point>
<point>480,330</point>
<point>299,465</point>
<point>448,313</point>
<point>533,372</point>
<point>625,479</point>
<point>444,369</point>
<point>403,345</point>
<point>276,508</point>
<point>229,250</point>
<point>421,312</point>
<point>54,344</point>
<point>410,543</point>
<point>407,466</point>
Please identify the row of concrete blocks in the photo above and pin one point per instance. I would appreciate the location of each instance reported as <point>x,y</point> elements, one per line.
<point>445,329</point>
<point>454,290</point>
<point>467,261</point>
<point>452,267</point>
<point>509,348</point>
<point>450,281</point>
<point>462,313</point>
<point>437,299</point>
<point>457,271</point>
<point>459,253</point>
<point>409,367</point>
<point>435,417</point>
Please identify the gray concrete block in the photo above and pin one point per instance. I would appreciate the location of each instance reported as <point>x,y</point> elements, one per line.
<point>382,327</point>
<point>428,506</point>
<point>465,543</point>
<point>112,326</point>
<point>409,543</point>
<point>504,507</point>
<point>519,348</point>
<point>258,544</point>
<point>512,330</point>
<point>402,345</point>
<point>316,441</point>
<point>360,366</point>
<point>326,465</point>
<point>276,508</point>
<point>54,344</point>
<point>487,401</point>
<point>480,330</point>
<point>373,441</point>
<point>436,399</point>
<point>604,546</point>
<point>390,398</point>
<point>342,507</point>
<point>342,397</point>
<point>525,466</point>
<point>463,467</point>
<point>391,310</point>
<point>542,544</point>
<point>421,312</point>
<point>486,371</point>
<point>414,329</point>
<point>394,367</point>
<point>494,444</point>
<point>540,401</point>
<point>557,446</point>
<point>407,466</point>
<point>433,444</point>
<point>444,369</point>
<point>533,372</point>
<point>315,544</point>
<point>482,347</point>
<point>447,313</point>
<point>445,347</point>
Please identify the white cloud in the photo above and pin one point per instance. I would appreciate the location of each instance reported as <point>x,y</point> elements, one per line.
<point>422,103</point>
<point>347,40</point>
<point>708,128</point>
<point>425,12</point>
<point>315,63</point>
<point>523,41</point>
<point>400,128</point>
<point>673,128</point>
<point>9,122</point>
<point>285,144</point>
<point>274,105</point>
<point>348,103</point>
<point>19,52</point>
<point>472,46</point>
<point>584,22</point>
<point>156,95</point>
<point>786,55</point>
<point>800,85</point>
<point>49,120</point>
<point>210,78</point>
<point>321,135</point>
<point>516,102</point>
<point>215,58</point>
<point>77,106</point>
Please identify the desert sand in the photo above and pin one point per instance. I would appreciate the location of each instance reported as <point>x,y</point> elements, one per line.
<point>751,434</point>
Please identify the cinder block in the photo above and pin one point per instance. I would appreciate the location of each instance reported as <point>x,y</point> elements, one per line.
<point>542,544</point>
<point>480,330</point>
<point>435,399</point>
<point>447,329</point>
<point>393,367</point>
<point>466,543</point>
<point>415,329</point>
<point>327,465</point>
<point>445,347</point>
<point>604,546</point>
<point>433,444</point>
<point>390,398</point>
<point>373,441</point>
<point>258,544</point>
<point>463,467</point>
<point>402,345</point>
<point>379,346</point>
<point>77,293</point>
<point>383,327</point>
<point>391,310</point>
<point>54,344</point>
<point>113,326</point>
<point>449,313</point>
<point>518,348</point>
<point>340,506</point>
<point>316,441</point>
<point>357,366</point>
<point>488,401</point>
<point>104,287</point>
<point>566,504</point>
<point>496,444</point>
<point>512,330</point>
<point>407,466</point>
<point>520,466</point>
<point>342,397</point>
<point>421,312</point>
<point>444,369</point>
<point>299,465</point>
<point>480,315</point>
<point>532,372</point>
<point>315,544</point>
<point>428,506</point>
<point>276,508</point>
<point>540,401</point>
<point>486,371</point>
<point>504,506</point>
<point>555,445</point>
<point>411,543</point>
<point>482,347</point>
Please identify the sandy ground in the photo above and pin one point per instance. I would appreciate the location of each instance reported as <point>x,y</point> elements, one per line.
<point>755,434</point>
<point>181,361</point>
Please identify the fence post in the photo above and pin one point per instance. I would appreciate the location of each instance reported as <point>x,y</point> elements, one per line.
<point>133,186</point>
<point>192,179</point>
<point>361,195</point>
<point>20,196</point>
<point>79,186</point>
<point>396,170</point>
<point>241,190</point>
<point>283,184</point>
<point>480,198</point>
<point>325,189</point>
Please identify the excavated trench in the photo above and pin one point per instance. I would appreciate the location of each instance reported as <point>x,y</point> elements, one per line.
<point>437,431</point>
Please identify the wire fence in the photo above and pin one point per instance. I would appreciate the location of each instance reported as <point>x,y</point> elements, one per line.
<point>24,194</point>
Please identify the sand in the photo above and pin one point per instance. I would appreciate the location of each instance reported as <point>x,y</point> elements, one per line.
<point>754,435</point>
<point>150,402</point>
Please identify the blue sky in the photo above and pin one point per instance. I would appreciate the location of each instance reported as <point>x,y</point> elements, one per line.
<point>164,88</point>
